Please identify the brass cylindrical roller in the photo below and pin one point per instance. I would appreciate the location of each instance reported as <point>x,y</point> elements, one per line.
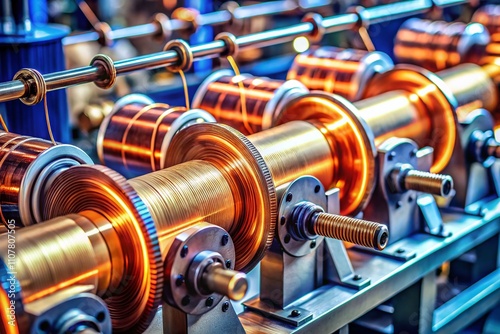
<point>436,45</point>
<point>344,72</point>
<point>226,282</point>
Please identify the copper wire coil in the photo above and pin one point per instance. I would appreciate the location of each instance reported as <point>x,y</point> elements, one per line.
<point>134,137</point>
<point>413,103</point>
<point>248,177</point>
<point>340,71</point>
<point>220,95</point>
<point>488,16</point>
<point>436,45</point>
<point>112,205</point>
<point>25,164</point>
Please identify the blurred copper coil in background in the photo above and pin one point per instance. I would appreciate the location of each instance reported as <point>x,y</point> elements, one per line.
<point>340,71</point>
<point>488,16</point>
<point>436,45</point>
<point>27,164</point>
<point>133,138</point>
<point>220,95</point>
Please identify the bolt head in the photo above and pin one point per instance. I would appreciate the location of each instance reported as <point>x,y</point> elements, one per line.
<point>185,301</point>
<point>357,277</point>
<point>295,313</point>
<point>224,240</point>
<point>184,250</point>
<point>179,280</point>
<point>209,302</point>
<point>228,264</point>
<point>400,250</point>
<point>225,306</point>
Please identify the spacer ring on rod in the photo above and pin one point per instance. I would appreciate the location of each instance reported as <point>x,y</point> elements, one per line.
<point>31,76</point>
<point>185,56</point>
<point>107,63</point>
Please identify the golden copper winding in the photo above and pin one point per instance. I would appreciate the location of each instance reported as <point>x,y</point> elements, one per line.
<point>133,139</point>
<point>436,45</point>
<point>340,71</point>
<point>248,177</point>
<point>424,111</point>
<point>133,301</point>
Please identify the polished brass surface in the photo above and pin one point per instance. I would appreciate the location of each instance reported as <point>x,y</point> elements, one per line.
<point>433,112</point>
<point>472,86</point>
<point>436,184</point>
<point>357,231</point>
<point>295,149</point>
<point>436,45</point>
<point>226,282</point>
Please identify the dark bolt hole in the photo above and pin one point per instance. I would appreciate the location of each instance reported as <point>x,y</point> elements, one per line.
<point>209,302</point>
<point>44,326</point>
<point>185,301</point>
<point>446,187</point>
<point>312,244</point>
<point>287,238</point>
<point>184,250</point>
<point>228,264</point>
<point>101,316</point>
<point>289,197</point>
<point>283,220</point>
<point>316,189</point>
<point>383,239</point>
<point>224,240</point>
<point>225,306</point>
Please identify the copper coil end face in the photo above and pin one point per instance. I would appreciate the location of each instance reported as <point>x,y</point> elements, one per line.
<point>132,304</point>
<point>351,140</point>
<point>440,102</point>
<point>249,178</point>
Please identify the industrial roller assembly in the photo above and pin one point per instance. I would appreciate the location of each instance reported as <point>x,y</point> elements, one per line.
<point>344,179</point>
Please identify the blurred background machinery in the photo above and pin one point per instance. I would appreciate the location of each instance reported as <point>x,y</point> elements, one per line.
<point>286,166</point>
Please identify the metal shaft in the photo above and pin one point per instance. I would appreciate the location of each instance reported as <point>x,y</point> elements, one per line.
<point>16,89</point>
<point>436,184</point>
<point>357,231</point>
<point>493,149</point>
<point>227,282</point>
<point>209,19</point>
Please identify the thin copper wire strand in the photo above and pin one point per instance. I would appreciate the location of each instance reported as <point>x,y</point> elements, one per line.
<point>185,86</point>
<point>4,125</point>
<point>47,119</point>
<point>365,37</point>
<point>236,70</point>
<point>223,100</point>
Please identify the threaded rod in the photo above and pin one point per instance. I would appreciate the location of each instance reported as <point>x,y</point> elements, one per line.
<point>436,184</point>
<point>357,231</point>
